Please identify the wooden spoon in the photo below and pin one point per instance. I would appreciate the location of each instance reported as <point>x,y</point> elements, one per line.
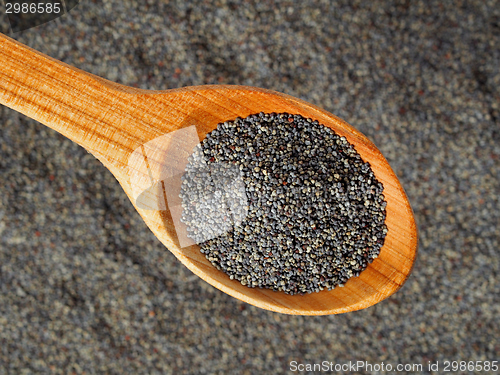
<point>113,121</point>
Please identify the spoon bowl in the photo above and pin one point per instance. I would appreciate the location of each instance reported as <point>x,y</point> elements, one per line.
<point>114,122</point>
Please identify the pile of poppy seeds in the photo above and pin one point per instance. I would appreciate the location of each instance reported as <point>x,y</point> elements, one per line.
<point>308,213</point>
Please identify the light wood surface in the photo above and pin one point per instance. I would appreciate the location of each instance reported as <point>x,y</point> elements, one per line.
<point>112,121</point>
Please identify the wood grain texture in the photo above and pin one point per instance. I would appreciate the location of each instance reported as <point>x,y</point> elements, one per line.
<point>111,121</point>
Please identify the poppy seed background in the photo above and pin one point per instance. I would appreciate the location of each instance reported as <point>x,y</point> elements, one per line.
<point>86,288</point>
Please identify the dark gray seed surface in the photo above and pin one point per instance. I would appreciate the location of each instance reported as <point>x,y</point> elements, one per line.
<point>85,286</point>
<point>310,213</point>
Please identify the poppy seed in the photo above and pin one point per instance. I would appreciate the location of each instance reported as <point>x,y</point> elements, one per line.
<point>308,215</point>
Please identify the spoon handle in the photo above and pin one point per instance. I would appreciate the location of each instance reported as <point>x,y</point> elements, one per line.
<point>85,108</point>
